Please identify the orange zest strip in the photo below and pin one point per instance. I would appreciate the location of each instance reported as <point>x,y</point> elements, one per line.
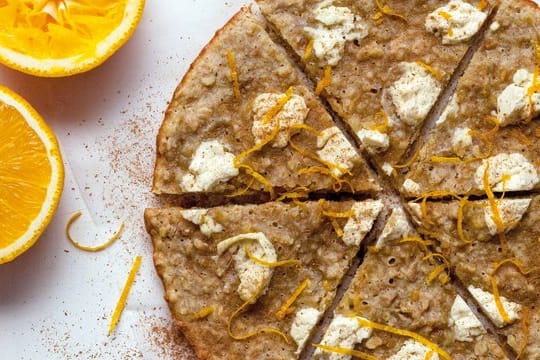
<point>409,163</point>
<point>234,74</point>
<point>256,260</point>
<point>525,324</point>
<point>274,110</point>
<point>100,247</point>
<point>482,4</point>
<point>435,273</point>
<point>495,289</point>
<point>337,228</point>
<point>309,49</point>
<point>382,128</point>
<point>283,310</point>
<point>338,183</point>
<point>461,206</point>
<point>242,191</point>
<point>419,338</point>
<point>305,127</point>
<point>428,355</point>
<point>203,313</point>
<point>438,269</point>
<point>125,292</point>
<point>238,159</point>
<point>495,209</point>
<point>345,351</point>
<point>341,215</point>
<point>318,159</point>
<point>385,9</point>
<point>433,194</point>
<point>436,73</point>
<point>444,159</point>
<point>300,192</point>
<point>325,81</point>
<point>260,178</point>
<point>445,15</point>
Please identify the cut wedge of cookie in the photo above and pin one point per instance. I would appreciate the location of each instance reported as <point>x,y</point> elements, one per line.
<point>381,64</point>
<point>401,305</point>
<point>490,259</point>
<point>243,119</point>
<point>496,126</point>
<point>252,281</point>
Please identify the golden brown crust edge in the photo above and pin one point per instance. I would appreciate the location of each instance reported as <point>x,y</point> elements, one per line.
<point>185,78</point>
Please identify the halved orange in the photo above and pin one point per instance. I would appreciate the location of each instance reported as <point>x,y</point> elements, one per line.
<point>56,38</point>
<point>31,175</point>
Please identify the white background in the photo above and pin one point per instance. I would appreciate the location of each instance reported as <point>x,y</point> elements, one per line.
<point>56,301</point>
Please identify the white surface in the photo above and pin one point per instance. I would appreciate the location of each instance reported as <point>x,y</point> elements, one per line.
<point>56,301</point>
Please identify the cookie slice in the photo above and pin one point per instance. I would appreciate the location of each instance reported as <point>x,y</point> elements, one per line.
<point>401,305</point>
<point>252,281</point>
<point>496,126</point>
<point>490,260</point>
<point>242,119</point>
<point>381,64</point>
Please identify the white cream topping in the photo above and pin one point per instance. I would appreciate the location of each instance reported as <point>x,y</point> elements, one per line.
<point>461,140</point>
<point>358,225</point>
<point>373,140</point>
<point>519,173</point>
<point>292,113</point>
<point>413,350</point>
<point>336,149</point>
<point>465,324</point>
<point>510,210</point>
<point>343,332</point>
<point>487,301</point>
<point>451,111</point>
<point>254,278</point>
<point>495,26</point>
<point>456,22</point>
<point>211,164</point>
<point>397,227</point>
<point>414,93</point>
<point>207,224</point>
<point>513,104</point>
<point>336,25</point>
<point>303,323</point>
<point>387,168</point>
<point>411,186</point>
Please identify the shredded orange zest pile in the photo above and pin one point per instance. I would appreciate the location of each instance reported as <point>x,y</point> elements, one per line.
<point>309,49</point>
<point>256,332</point>
<point>125,292</point>
<point>436,73</point>
<point>461,206</point>
<point>100,247</point>
<point>482,4</point>
<point>445,15</point>
<point>256,260</point>
<point>204,312</point>
<point>495,210</point>
<point>284,309</point>
<point>385,9</point>
<point>260,178</point>
<point>325,81</point>
<point>495,288</point>
<point>382,128</point>
<point>234,73</point>
<point>525,323</point>
<point>345,351</point>
<point>274,110</point>
<point>419,338</point>
<point>409,163</point>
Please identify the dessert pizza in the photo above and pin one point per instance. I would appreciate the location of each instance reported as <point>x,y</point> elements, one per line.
<point>389,148</point>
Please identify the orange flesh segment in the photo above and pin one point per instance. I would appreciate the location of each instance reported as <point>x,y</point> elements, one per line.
<point>23,185</point>
<point>58,29</point>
